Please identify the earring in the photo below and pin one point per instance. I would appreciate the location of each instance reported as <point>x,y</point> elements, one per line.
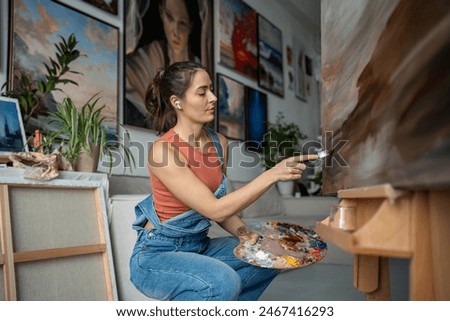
<point>177,104</point>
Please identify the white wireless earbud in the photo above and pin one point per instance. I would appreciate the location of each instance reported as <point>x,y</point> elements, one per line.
<point>177,104</point>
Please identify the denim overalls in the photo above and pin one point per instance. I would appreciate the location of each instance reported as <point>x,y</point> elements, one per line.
<point>176,260</point>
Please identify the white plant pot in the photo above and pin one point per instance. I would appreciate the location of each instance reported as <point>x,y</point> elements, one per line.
<point>286,189</point>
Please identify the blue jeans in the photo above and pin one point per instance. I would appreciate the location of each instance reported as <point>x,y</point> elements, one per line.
<point>176,260</point>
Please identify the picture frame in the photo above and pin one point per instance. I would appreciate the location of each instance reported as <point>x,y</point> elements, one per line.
<point>270,57</point>
<point>12,132</point>
<point>238,38</point>
<point>256,117</point>
<point>231,114</point>
<point>110,7</point>
<point>299,69</point>
<point>98,71</point>
<point>146,49</point>
<point>309,74</point>
<point>109,11</point>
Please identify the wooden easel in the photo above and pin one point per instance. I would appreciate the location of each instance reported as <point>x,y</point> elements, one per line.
<point>397,223</point>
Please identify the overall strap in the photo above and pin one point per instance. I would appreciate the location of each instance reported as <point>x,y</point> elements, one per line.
<point>215,138</point>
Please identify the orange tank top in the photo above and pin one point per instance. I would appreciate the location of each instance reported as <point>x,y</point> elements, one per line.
<point>205,165</point>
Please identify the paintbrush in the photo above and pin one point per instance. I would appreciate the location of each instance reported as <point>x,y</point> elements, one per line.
<point>321,154</point>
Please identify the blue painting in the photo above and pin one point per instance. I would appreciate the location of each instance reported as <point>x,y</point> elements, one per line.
<point>12,134</point>
<point>37,25</point>
<point>256,103</point>
<point>270,52</point>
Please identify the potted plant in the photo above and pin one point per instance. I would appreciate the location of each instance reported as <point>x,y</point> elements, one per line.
<point>84,135</point>
<point>281,141</point>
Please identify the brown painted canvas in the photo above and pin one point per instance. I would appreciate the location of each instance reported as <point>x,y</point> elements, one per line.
<point>385,101</point>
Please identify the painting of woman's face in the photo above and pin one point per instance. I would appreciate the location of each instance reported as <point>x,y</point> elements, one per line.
<point>177,23</point>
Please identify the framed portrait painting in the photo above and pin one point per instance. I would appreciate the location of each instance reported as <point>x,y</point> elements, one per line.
<point>12,133</point>
<point>238,37</point>
<point>231,108</point>
<point>256,102</point>
<point>270,54</point>
<point>32,46</point>
<point>157,34</point>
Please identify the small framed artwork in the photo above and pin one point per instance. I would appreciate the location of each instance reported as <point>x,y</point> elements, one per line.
<point>230,108</point>
<point>12,133</point>
<point>256,102</point>
<point>299,70</point>
<point>309,73</point>
<point>238,37</point>
<point>109,11</point>
<point>110,6</point>
<point>270,54</point>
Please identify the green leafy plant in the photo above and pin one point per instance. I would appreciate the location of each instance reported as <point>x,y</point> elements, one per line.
<point>83,128</point>
<point>32,93</point>
<point>282,140</point>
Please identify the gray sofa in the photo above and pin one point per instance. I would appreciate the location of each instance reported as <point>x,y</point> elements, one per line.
<point>125,192</point>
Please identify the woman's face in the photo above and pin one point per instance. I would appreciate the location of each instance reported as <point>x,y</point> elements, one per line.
<point>177,24</point>
<point>199,100</point>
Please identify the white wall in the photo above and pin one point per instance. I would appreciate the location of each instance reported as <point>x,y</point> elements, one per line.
<point>302,24</point>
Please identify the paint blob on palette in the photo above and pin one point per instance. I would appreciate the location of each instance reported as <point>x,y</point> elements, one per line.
<point>282,246</point>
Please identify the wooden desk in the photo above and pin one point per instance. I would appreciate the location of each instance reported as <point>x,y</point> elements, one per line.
<point>396,223</point>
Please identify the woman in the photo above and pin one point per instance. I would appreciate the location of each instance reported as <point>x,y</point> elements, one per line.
<point>173,258</point>
<point>177,20</point>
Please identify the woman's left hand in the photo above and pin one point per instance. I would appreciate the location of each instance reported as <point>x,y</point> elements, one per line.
<point>247,235</point>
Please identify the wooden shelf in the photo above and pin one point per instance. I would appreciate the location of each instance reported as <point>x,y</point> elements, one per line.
<point>376,191</point>
<point>353,243</point>
<point>383,223</point>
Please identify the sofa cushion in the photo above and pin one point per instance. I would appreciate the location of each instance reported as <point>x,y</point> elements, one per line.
<point>123,237</point>
<point>269,204</point>
<point>129,185</point>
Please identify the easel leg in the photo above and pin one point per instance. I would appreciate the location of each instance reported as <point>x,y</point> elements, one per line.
<point>371,275</point>
<point>421,275</point>
<point>383,292</point>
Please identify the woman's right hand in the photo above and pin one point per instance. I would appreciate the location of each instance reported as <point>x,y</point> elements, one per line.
<point>291,168</point>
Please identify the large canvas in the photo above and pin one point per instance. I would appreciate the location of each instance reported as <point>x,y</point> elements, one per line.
<point>231,107</point>
<point>238,37</point>
<point>12,134</point>
<point>37,25</point>
<point>270,52</point>
<point>153,30</point>
<point>385,94</point>
<point>42,259</point>
<point>256,102</point>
